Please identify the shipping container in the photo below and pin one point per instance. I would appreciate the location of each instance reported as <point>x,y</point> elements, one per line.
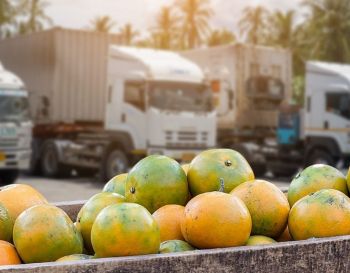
<point>65,72</point>
<point>249,81</point>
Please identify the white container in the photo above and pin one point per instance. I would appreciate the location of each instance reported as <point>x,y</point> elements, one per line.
<point>66,68</point>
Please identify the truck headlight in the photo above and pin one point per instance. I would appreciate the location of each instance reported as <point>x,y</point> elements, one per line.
<point>156,152</point>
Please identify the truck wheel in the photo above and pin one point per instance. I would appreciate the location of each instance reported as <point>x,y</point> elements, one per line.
<point>320,157</point>
<point>259,168</point>
<point>115,163</point>
<point>34,167</point>
<point>284,173</point>
<point>8,177</point>
<point>50,165</point>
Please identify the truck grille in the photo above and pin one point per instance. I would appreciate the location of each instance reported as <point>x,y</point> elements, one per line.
<point>186,139</point>
<point>6,144</point>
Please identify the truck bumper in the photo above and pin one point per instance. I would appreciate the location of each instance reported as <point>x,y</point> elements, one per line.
<point>181,155</point>
<point>15,160</point>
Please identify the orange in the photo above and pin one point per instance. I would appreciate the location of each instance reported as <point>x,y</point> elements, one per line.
<point>116,184</point>
<point>169,219</point>
<point>8,254</point>
<point>124,229</point>
<point>267,205</point>
<point>156,181</point>
<point>19,197</point>
<point>257,240</point>
<point>172,246</point>
<point>6,224</point>
<point>324,213</point>
<point>218,170</point>
<point>45,233</point>
<point>315,178</point>
<point>285,236</point>
<point>74,257</point>
<point>91,209</point>
<point>216,219</point>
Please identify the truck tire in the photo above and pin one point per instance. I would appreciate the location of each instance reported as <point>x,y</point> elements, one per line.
<point>50,165</point>
<point>115,162</point>
<point>259,168</point>
<point>8,176</point>
<point>288,173</point>
<point>34,167</point>
<point>320,157</point>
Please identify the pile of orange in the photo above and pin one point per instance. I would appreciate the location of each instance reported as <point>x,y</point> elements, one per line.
<point>161,207</point>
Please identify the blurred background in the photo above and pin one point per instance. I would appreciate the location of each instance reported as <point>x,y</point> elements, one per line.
<point>87,88</point>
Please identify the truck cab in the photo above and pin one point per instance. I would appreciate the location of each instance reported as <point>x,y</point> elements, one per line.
<point>15,127</point>
<point>319,132</point>
<point>158,103</point>
<point>327,115</point>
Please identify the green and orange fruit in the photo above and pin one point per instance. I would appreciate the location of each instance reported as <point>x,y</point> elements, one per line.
<point>75,257</point>
<point>8,254</point>
<point>6,224</point>
<point>267,205</point>
<point>315,178</point>
<point>125,229</point>
<point>88,213</point>
<point>216,219</point>
<point>156,181</point>
<point>45,233</point>
<point>218,170</point>
<point>169,219</point>
<point>325,213</point>
<point>19,197</point>
<point>173,246</point>
<point>257,240</point>
<point>116,184</point>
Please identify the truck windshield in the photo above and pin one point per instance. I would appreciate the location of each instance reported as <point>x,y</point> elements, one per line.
<point>14,106</point>
<point>180,97</point>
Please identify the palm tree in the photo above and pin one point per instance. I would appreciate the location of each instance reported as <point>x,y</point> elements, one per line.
<point>196,14</point>
<point>221,37</point>
<point>281,29</point>
<point>102,24</point>
<point>6,17</point>
<point>166,28</point>
<point>128,34</point>
<point>253,24</point>
<point>329,24</point>
<point>37,18</point>
<point>152,41</point>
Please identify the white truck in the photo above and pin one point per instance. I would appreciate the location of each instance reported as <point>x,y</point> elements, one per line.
<point>248,83</point>
<point>319,133</point>
<point>100,107</point>
<point>15,127</point>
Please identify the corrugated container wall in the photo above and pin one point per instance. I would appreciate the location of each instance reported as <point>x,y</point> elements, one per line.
<point>64,71</point>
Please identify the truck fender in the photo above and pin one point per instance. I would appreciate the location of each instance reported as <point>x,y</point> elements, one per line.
<point>326,144</point>
<point>122,140</point>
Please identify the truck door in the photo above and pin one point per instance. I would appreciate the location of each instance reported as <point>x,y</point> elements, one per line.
<point>126,110</point>
<point>336,121</point>
<point>133,115</point>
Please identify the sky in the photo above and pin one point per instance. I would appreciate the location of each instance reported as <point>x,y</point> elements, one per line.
<point>141,13</point>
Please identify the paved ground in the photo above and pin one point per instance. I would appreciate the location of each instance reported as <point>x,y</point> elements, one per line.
<point>56,190</point>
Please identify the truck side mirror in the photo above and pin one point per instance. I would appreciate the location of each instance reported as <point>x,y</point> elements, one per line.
<point>45,106</point>
<point>231,97</point>
<point>45,101</point>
